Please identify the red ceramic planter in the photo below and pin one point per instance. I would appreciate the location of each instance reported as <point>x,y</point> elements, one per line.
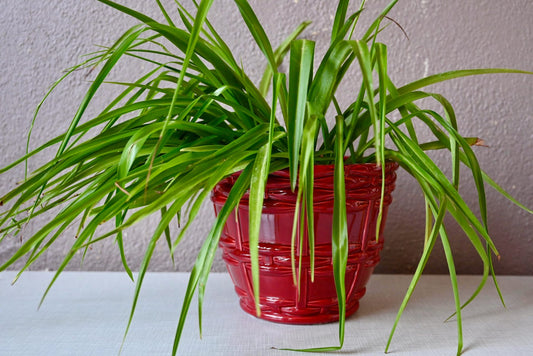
<point>317,302</point>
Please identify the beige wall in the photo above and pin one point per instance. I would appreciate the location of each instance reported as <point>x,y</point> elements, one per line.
<point>40,38</point>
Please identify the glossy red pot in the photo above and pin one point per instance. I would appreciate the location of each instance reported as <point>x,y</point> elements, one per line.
<point>317,302</point>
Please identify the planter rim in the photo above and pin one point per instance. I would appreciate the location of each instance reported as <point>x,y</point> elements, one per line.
<point>325,169</point>
<point>362,183</point>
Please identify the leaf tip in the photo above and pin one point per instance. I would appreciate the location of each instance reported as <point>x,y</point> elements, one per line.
<point>480,142</point>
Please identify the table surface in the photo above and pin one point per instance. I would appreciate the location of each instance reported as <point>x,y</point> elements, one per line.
<point>86,313</point>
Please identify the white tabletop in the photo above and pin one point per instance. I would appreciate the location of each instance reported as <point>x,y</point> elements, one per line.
<point>86,313</point>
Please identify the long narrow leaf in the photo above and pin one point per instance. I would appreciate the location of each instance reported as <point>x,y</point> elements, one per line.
<point>210,244</point>
<point>339,236</point>
<point>300,72</point>
<point>257,31</point>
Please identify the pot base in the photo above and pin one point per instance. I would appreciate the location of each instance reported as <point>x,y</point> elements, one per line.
<point>295,316</point>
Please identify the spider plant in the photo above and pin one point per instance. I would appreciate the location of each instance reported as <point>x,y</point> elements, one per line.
<point>174,131</point>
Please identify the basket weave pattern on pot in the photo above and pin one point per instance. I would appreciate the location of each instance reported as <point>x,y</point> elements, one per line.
<point>315,301</point>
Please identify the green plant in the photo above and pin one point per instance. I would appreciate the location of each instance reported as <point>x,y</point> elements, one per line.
<point>175,131</point>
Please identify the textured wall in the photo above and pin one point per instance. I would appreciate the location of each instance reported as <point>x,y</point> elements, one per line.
<point>41,38</point>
